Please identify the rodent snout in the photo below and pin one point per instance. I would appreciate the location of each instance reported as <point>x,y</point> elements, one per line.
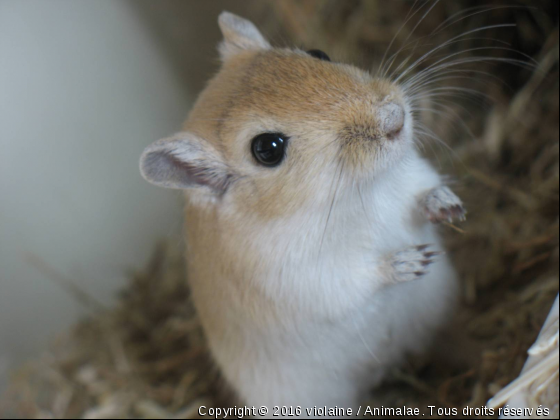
<point>391,118</point>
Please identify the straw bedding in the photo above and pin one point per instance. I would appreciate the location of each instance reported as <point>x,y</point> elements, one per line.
<point>146,357</point>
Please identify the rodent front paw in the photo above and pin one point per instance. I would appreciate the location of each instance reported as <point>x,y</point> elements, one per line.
<point>412,263</point>
<point>442,205</point>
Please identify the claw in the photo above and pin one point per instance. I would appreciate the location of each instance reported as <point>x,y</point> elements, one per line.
<point>433,254</point>
<point>412,263</point>
<point>442,205</point>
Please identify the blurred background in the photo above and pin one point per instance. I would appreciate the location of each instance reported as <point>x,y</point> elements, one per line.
<point>86,85</point>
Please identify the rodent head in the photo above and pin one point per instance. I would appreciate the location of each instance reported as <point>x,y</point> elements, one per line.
<point>275,128</point>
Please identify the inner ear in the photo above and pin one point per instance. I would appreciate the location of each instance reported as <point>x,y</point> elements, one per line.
<point>185,161</point>
<point>239,35</point>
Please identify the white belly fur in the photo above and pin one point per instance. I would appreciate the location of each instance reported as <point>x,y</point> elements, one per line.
<point>299,330</point>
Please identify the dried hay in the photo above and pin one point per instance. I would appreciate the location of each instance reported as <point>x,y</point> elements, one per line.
<point>147,357</point>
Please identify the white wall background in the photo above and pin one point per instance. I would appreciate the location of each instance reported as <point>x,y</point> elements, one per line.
<point>83,88</point>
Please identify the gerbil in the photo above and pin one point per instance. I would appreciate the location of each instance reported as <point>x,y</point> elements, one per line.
<point>312,254</point>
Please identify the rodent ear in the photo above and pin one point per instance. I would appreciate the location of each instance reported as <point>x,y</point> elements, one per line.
<point>185,161</point>
<point>239,35</point>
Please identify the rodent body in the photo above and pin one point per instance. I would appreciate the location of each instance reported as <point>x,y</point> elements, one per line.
<point>307,329</point>
<point>311,277</point>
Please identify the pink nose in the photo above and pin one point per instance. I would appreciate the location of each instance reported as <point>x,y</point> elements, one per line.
<point>390,118</point>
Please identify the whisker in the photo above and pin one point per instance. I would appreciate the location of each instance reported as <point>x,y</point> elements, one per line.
<point>473,60</point>
<point>446,77</point>
<point>489,9</point>
<point>446,105</point>
<point>439,47</point>
<point>469,91</point>
<point>445,114</point>
<point>473,99</point>
<point>363,340</point>
<point>443,60</point>
<point>403,63</point>
<point>419,141</point>
<point>427,79</point>
<point>423,130</point>
<point>414,29</point>
<point>459,13</point>
<point>341,165</point>
<point>407,19</point>
<point>442,113</point>
<point>366,213</point>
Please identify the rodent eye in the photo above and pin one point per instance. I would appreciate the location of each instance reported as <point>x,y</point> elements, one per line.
<point>268,148</point>
<point>319,54</point>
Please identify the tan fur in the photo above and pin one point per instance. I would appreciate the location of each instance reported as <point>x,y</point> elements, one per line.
<point>308,98</point>
<point>296,270</point>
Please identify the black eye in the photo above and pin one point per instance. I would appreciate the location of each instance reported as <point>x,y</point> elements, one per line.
<point>268,148</point>
<point>319,54</point>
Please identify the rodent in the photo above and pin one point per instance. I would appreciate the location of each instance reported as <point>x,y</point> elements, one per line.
<point>312,247</point>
